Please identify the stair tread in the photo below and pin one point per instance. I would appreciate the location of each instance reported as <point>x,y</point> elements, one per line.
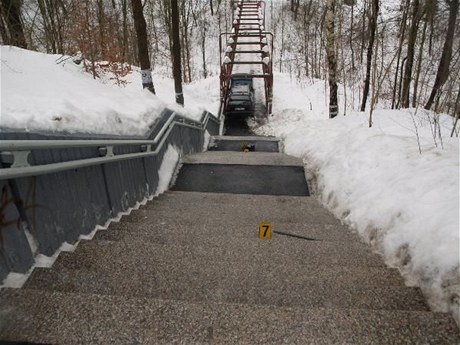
<point>220,213</point>
<point>276,203</point>
<point>250,250</point>
<point>260,272</point>
<point>243,158</point>
<point>237,143</point>
<point>193,234</point>
<point>273,177</point>
<point>71,318</point>
<point>221,283</point>
<point>244,138</point>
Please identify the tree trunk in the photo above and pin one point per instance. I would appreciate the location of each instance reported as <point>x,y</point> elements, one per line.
<point>400,82</point>
<point>101,24</point>
<point>124,11</point>
<point>142,43</point>
<point>419,64</point>
<point>401,41</point>
<point>456,112</point>
<point>370,48</point>
<point>410,53</point>
<point>331,57</point>
<point>52,10</point>
<point>446,57</point>
<point>296,9</point>
<point>49,37</point>
<point>203,51</point>
<point>3,31</point>
<point>61,14</point>
<point>351,37</point>
<point>176,53</point>
<point>363,31</point>
<point>11,13</point>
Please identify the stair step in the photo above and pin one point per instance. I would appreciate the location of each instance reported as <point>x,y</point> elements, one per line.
<point>227,217</point>
<point>250,251</point>
<point>236,143</point>
<point>309,259</point>
<point>253,211</point>
<point>276,203</point>
<point>243,158</point>
<point>70,318</point>
<point>193,234</point>
<point>242,179</point>
<point>251,272</point>
<point>221,283</point>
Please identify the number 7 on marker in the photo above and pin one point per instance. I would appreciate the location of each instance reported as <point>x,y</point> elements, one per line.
<point>265,231</point>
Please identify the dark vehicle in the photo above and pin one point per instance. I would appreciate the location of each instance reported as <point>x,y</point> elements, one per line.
<point>240,103</point>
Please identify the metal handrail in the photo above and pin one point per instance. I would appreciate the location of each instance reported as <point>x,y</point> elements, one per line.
<point>19,150</point>
<point>22,145</point>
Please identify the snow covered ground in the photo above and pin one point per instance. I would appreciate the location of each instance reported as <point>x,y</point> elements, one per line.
<point>403,202</point>
<point>51,92</point>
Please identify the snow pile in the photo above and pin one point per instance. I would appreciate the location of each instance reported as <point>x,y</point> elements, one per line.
<point>53,93</point>
<point>168,165</point>
<point>404,203</point>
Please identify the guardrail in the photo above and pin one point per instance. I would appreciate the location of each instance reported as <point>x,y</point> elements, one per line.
<point>14,154</point>
<point>53,191</point>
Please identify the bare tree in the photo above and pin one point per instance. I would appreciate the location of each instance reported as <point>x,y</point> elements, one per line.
<point>3,30</point>
<point>177,70</point>
<point>370,49</point>
<point>143,50</point>
<point>446,57</point>
<point>420,58</point>
<point>331,57</point>
<point>456,112</point>
<point>402,33</point>
<point>11,16</point>
<point>410,52</point>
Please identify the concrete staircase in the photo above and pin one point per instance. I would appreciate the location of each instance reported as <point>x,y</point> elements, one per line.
<point>189,268</point>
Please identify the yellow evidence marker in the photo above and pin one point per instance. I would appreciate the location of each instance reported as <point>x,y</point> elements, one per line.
<point>265,231</point>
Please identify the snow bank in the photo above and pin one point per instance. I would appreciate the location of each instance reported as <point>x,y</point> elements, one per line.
<point>405,204</point>
<point>51,92</point>
<point>168,165</point>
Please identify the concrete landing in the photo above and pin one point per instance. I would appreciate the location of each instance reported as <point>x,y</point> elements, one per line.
<point>257,173</point>
<point>242,179</point>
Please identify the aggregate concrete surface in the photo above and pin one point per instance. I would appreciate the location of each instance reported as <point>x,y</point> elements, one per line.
<point>189,268</point>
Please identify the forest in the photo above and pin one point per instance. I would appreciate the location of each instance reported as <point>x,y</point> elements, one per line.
<point>399,54</point>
